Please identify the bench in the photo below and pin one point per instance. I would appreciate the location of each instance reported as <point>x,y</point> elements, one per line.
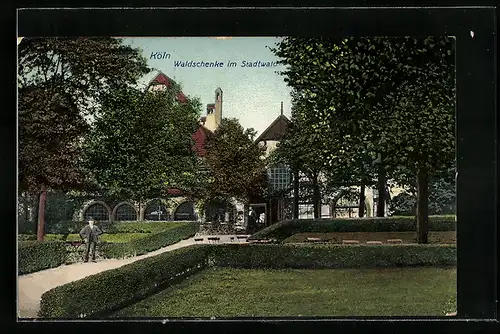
<point>213,239</point>
<point>314,240</point>
<point>394,241</point>
<point>374,243</point>
<point>350,242</point>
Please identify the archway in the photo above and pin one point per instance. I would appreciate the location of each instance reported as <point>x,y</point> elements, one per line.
<point>185,211</point>
<point>125,212</point>
<point>156,210</point>
<point>98,211</point>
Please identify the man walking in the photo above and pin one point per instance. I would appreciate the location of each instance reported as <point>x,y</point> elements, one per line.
<point>91,235</point>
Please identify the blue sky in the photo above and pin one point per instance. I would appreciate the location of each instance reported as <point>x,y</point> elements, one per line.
<point>251,94</point>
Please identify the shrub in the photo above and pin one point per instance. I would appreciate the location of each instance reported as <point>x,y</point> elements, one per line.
<point>35,256</point>
<point>287,228</point>
<point>112,289</point>
<point>149,243</point>
<point>74,227</point>
<point>332,256</point>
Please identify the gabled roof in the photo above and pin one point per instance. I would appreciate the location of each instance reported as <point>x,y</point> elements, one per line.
<point>162,79</point>
<point>276,130</point>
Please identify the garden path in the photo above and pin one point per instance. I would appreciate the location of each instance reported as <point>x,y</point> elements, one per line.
<point>31,286</point>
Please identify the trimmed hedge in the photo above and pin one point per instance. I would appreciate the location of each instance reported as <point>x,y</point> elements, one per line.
<point>112,289</point>
<point>35,256</point>
<point>333,256</point>
<point>284,229</point>
<point>149,243</point>
<point>74,227</point>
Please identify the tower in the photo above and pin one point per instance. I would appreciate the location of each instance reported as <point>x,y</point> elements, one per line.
<point>214,112</point>
<point>218,106</point>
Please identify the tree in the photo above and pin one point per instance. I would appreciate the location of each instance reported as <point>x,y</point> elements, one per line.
<point>392,96</point>
<point>141,144</point>
<point>235,163</point>
<point>59,80</point>
<point>49,155</point>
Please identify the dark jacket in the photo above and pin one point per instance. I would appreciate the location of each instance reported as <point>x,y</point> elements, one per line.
<point>91,234</point>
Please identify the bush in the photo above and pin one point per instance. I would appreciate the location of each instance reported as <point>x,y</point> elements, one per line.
<point>333,256</point>
<point>74,227</point>
<point>35,256</point>
<point>149,243</point>
<point>112,289</point>
<point>287,228</point>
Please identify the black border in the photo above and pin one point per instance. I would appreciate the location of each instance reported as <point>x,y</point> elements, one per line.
<point>476,121</point>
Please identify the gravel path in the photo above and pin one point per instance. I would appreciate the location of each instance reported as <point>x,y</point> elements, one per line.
<point>32,286</point>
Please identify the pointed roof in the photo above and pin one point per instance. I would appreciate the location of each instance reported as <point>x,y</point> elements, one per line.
<point>277,129</point>
<point>162,79</point>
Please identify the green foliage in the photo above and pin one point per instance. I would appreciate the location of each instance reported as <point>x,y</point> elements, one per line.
<point>442,199</point>
<point>235,163</point>
<point>379,104</point>
<point>152,242</point>
<point>69,227</point>
<point>333,256</point>
<point>35,256</point>
<point>284,229</point>
<point>151,131</point>
<point>112,289</point>
<point>84,67</point>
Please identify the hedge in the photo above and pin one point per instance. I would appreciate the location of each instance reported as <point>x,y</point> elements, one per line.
<point>35,256</point>
<point>113,289</point>
<point>284,229</point>
<point>74,227</point>
<point>150,243</point>
<point>333,256</point>
<point>109,291</point>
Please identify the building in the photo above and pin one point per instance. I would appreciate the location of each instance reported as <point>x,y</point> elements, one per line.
<point>176,206</point>
<point>275,207</point>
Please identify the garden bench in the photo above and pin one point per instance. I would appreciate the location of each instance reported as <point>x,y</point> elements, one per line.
<point>241,237</point>
<point>214,239</point>
<point>198,239</point>
<point>350,242</point>
<point>394,241</point>
<point>314,240</point>
<point>374,243</point>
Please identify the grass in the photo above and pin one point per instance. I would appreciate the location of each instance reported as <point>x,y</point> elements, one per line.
<point>424,291</point>
<point>435,237</point>
<point>118,238</point>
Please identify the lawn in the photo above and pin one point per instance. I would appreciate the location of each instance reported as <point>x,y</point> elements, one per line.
<point>118,237</point>
<point>435,237</point>
<point>424,291</point>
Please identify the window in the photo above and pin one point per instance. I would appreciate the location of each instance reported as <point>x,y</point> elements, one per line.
<point>97,211</point>
<point>279,177</point>
<point>156,211</point>
<point>185,211</point>
<point>125,212</point>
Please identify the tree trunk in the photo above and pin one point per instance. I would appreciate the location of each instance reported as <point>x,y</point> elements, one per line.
<point>381,192</point>
<point>316,198</point>
<point>296,195</point>
<point>422,205</point>
<point>40,233</point>
<point>362,201</point>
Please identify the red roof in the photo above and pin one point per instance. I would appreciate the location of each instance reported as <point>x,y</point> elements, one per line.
<point>200,138</point>
<point>162,79</point>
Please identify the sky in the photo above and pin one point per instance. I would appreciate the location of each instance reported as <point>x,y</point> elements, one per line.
<point>253,95</point>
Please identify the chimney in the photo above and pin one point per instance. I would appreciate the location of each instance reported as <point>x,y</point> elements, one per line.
<point>281,108</point>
